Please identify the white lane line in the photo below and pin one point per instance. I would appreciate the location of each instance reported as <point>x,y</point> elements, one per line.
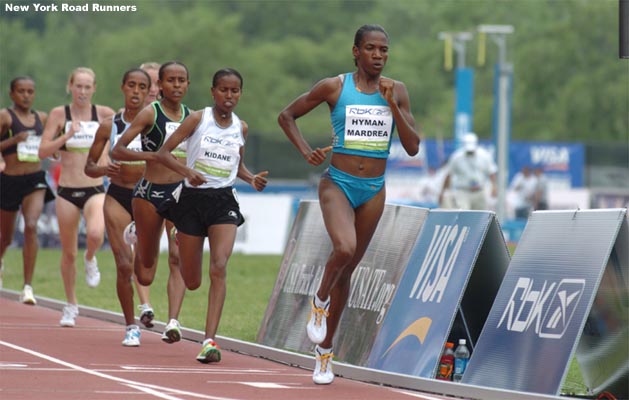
<point>154,393</point>
<point>213,370</point>
<point>11,365</point>
<point>418,395</point>
<point>110,377</point>
<point>265,385</point>
<point>5,327</point>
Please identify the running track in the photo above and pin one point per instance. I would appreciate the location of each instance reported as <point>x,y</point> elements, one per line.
<point>41,360</point>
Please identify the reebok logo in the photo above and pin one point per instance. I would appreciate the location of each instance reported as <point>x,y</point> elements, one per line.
<point>562,308</point>
<point>547,309</point>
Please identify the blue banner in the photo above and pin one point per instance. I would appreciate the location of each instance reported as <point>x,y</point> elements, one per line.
<point>423,310</point>
<point>464,107</point>
<point>563,163</point>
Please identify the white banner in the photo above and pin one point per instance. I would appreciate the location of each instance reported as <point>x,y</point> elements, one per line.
<point>267,222</point>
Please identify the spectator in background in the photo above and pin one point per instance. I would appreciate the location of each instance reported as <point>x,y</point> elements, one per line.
<point>469,172</point>
<point>70,130</point>
<point>23,183</point>
<point>524,188</point>
<point>541,192</point>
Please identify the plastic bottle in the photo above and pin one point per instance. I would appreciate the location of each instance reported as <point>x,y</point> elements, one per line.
<point>461,357</point>
<point>446,363</point>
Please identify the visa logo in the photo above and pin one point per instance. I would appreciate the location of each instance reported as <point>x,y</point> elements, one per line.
<point>443,251</point>
<point>550,155</point>
<point>548,309</point>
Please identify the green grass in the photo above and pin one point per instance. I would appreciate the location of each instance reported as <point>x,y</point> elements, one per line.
<point>250,282</point>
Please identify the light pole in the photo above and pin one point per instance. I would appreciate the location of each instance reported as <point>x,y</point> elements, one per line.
<point>502,110</point>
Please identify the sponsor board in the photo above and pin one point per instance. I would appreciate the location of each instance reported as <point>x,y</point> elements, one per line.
<point>540,311</point>
<point>452,250</point>
<point>373,285</point>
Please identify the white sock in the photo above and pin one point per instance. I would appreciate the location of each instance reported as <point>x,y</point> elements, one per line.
<point>320,303</point>
<point>206,341</point>
<point>133,326</point>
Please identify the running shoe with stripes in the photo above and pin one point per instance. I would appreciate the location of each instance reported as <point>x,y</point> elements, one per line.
<point>317,326</point>
<point>27,296</point>
<point>132,336</point>
<point>146,315</point>
<point>172,333</point>
<point>209,353</point>
<point>323,374</point>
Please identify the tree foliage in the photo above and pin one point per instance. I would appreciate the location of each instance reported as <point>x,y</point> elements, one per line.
<point>569,83</point>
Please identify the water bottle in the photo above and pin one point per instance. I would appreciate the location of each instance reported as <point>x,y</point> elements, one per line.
<point>461,357</point>
<point>446,363</point>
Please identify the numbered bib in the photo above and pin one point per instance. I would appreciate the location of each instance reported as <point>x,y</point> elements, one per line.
<point>134,145</point>
<point>368,127</point>
<point>217,158</point>
<point>180,150</point>
<point>82,140</point>
<point>28,150</point>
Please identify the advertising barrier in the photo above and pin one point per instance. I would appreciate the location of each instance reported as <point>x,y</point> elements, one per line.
<point>568,278</point>
<point>446,292</point>
<point>373,282</point>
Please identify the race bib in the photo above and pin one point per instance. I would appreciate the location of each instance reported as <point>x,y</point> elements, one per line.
<point>134,145</point>
<point>82,140</point>
<point>180,150</point>
<point>218,159</point>
<point>368,127</point>
<point>27,151</point>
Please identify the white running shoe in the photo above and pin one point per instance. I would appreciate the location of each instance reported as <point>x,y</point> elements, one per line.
<point>323,374</point>
<point>129,235</point>
<point>27,296</point>
<point>70,312</point>
<point>146,315</point>
<point>317,326</point>
<point>172,333</point>
<point>132,336</point>
<point>92,274</point>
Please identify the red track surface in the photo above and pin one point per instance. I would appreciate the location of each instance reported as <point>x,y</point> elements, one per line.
<point>41,360</point>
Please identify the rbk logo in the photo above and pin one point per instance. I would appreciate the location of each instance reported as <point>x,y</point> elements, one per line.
<point>549,308</point>
<point>561,308</point>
